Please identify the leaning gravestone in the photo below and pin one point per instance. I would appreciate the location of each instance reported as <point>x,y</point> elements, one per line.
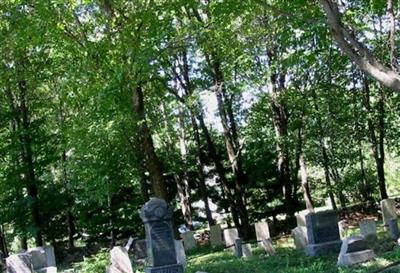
<point>322,233</point>
<point>188,240</point>
<point>19,263</point>
<point>262,231</point>
<point>267,245</point>
<point>247,251</point>
<point>230,235</point>
<point>120,262</point>
<point>368,229</point>
<point>394,228</point>
<point>354,250</point>
<point>180,252</point>
<point>299,237</point>
<point>388,207</point>
<point>161,254</point>
<point>216,236</point>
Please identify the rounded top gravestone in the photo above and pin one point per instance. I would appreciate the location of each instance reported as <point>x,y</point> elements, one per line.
<point>155,210</point>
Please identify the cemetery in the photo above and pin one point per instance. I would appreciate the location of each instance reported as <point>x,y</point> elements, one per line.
<point>199,136</point>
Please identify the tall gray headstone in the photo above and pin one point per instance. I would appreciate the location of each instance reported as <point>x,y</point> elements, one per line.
<point>368,229</point>
<point>299,237</point>
<point>322,233</point>
<point>161,254</point>
<point>388,207</point>
<point>180,252</point>
<point>216,236</point>
<point>43,259</point>
<point>188,240</point>
<point>19,263</point>
<point>238,248</point>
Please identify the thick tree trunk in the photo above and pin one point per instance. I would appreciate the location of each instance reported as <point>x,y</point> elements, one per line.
<point>378,149</point>
<point>27,155</point>
<point>153,163</point>
<point>232,145</point>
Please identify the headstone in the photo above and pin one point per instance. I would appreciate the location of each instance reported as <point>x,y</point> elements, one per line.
<point>129,244</point>
<point>262,231</point>
<point>388,207</point>
<point>180,252</point>
<point>216,236</point>
<point>230,235</point>
<point>247,251</point>
<point>300,240</point>
<point>322,233</point>
<point>238,248</point>
<point>394,228</point>
<point>342,229</point>
<point>161,258</point>
<point>268,247</point>
<point>328,203</point>
<point>120,260</point>
<point>19,263</point>
<point>188,240</point>
<point>354,250</point>
<point>368,229</point>
<point>43,259</point>
<point>140,249</point>
<point>301,218</point>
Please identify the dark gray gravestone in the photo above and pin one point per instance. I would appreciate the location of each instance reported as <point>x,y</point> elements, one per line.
<point>161,255</point>
<point>393,228</point>
<point>323,233</point>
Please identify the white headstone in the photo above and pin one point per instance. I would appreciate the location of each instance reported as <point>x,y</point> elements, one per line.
<point>368,229</point>
<point>180,253</point>
<point>216,236</point>
<point>342,229</point>
<point>188,240</point>
<point>301,218</point>
<point>120,260</point>
<point>388,207</point>
<point>230,235</point>
<point>129,244</point>
<point>262,231</point>
<point>19,263</point>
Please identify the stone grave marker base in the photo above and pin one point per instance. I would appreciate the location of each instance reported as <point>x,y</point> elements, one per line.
<point>175,268</point>
<point>349,259</point>
<point>323,248</point>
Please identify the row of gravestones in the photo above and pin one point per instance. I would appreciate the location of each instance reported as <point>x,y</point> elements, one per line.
<point>318,233</point>
<point>39,260</point>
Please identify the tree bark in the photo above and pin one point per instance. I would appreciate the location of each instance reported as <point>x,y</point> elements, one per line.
<point>392,35</point>
<point>355,50</point>
<point>153,163</point>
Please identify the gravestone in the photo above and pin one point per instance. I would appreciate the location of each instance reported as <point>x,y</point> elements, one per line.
<point>120,261</point>
<point>43,259</point>
<point>230,235</point>
<point>238,248</point>
<point>300,240</point>
<point>388,207</point>
<point>188,240</point>
<point>322,233</point>
<point>180,252</point>
<point>129,244</point>
<point>247,251</point>
<point>262,231</point>
<point>19,263</point>
<point>140,249</point>
<point>161,254</point>
<point>354,250</point>
<point>394,228</point>
<point>342,229</point>
<point>301,218</point>
<point>267,245</point>
<point>216,236</point>
<point>368,229</point>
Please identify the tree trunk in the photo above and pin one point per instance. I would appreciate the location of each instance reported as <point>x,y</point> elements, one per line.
<point>28,162</point>
<point>378,149</point>
<point>153,163</point>
<point>200,169</point>
<point>3,243</point>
